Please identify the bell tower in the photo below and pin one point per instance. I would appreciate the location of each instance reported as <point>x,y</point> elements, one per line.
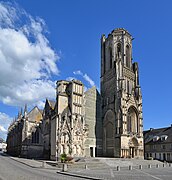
<point>121,97</point>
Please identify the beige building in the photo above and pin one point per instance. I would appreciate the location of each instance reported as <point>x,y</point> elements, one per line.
<point>121,97</point>
<point>158,144</point>
<point>76,126</point>
<point>68,130</point>
<point>93,120</point>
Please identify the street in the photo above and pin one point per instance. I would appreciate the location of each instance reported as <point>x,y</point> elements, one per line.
<point>13,170</point>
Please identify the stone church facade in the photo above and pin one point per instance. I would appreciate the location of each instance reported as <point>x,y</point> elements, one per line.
<point>121,97</point>
<point>91,124</point>
<point>76,120</point>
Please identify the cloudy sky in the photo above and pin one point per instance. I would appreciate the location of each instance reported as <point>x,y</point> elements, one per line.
<point>45,41</point>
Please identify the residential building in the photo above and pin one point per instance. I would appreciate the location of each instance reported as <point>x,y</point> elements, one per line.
<point>3,145</point>
<point>158,144</point>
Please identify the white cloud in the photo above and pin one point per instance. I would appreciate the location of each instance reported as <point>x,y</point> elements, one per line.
<point>89,80</point>
<point>78,73</point>
<point>40,104</point>
<point>85,77</point>
<point>2,129</point>
<point>5,121</point>
<point>26,57</point>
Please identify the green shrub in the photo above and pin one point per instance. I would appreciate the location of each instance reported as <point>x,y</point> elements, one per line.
<point>63,157</point>
<point>150,158</point>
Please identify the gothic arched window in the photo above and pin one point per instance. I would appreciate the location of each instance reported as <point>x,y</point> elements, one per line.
<point>132,120</point>
<point>118,50</point>
<point>127,56</point>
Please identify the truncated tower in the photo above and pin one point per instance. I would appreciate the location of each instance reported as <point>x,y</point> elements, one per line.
<point>121,97</point>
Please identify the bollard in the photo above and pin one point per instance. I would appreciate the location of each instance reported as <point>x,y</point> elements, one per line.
<point>86,167</point>
<point>130,167</point>
<point>169,165</point>
<point>118,168</point>
<point>149,166</point>
<point>157,165</point>
<point>64,168</point>
<point>140,166</point>
<point>163,165</point>
<point>43,164</point>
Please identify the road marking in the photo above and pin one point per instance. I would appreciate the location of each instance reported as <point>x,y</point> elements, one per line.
<point>148,174</point>
<point>111,173</point>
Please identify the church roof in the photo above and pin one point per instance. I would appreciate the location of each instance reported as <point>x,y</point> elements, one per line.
<point>51,103</point>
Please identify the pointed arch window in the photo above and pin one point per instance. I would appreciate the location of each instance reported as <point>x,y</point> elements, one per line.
<point>132,120</point>
<point>118,50</point>
<point>128,59</point>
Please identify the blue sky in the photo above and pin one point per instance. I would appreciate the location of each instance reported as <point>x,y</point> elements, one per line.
<point>61,40</point>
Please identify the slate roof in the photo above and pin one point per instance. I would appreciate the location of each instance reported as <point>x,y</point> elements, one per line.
<point>52,103</point>
<point>148,135</point>
<point>35,115</point>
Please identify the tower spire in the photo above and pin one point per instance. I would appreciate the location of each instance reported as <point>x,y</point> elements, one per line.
<point>21,111</point>
<point>25,110</point>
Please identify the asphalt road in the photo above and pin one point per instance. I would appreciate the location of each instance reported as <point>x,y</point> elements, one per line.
<point>13,170</point>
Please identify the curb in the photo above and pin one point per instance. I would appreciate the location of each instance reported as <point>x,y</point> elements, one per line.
<point>23,163</point>
<point>79,176</point>
<point>40,167</point>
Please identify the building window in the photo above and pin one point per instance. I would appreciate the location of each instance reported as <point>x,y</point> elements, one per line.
<point>35,137</point>
<point>132,120</point>
<point>163,147</point>
<point>127,56</point>
<point>154,146</point>
<point>118,50</point>
<point>128,87</point>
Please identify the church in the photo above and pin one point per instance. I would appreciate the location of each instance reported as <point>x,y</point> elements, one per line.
<point>89,124</point>
<point>121,97</point>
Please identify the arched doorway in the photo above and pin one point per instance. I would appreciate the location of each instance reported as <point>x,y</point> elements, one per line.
<point>109,133</point>
<point>133,147</point>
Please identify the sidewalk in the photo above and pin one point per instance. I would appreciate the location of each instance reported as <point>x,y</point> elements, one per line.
<point>53,166</point>
<point>34,163</point>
